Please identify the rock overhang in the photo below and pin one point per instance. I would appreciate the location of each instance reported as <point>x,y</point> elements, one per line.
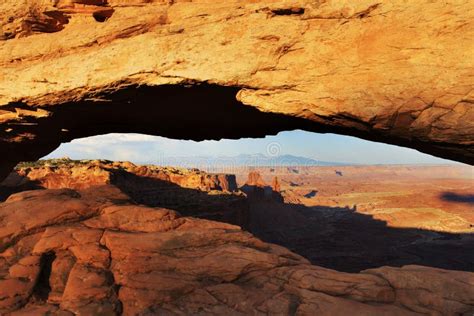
<point>197,70</point>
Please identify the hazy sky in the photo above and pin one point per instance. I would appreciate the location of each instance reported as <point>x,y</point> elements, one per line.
<point>324,147</point>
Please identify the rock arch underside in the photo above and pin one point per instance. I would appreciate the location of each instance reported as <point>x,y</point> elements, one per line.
<point>383,71</point>
<point>390,71</point>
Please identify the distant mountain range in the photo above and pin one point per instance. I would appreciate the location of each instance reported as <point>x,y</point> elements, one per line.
<point>257,160</point>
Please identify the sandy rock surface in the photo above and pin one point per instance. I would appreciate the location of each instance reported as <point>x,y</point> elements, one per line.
<point>90,255</point>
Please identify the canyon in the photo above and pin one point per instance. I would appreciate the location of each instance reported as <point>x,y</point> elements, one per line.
<point>102,237</point>
<point>111,238</point>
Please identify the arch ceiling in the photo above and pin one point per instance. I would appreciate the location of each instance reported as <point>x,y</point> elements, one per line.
<point>380,70</point>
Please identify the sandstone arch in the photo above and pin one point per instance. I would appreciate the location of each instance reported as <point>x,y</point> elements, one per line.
<point>381,70</point>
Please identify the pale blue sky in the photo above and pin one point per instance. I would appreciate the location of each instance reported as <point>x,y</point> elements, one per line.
<point>324,147</point>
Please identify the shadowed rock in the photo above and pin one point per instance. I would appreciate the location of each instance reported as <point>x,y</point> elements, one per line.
<point>458,198</point>
<point>331,236</point>
<point>128,259</point>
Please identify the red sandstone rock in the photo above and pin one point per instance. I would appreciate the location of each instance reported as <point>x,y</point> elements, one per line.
<point>384,71</point>
<point>189,191</point>
<point>107,258</point>
<point>257,189</point>
<point>276,185</point>
<point>66,173</point>
<point>255,179</point>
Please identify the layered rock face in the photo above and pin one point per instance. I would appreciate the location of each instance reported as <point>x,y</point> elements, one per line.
<point>192,192</point>
<point>77,174</point>
<point>257,189</point>
<point>93,252</point>
<point>386,71</point>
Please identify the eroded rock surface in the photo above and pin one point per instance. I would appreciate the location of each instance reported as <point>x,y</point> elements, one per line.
<point>93,252</point>
<point>79,174</point>
<point>420,215</point>
<point>257,189</point>
<point>382,70</point>
<point>190,191</point>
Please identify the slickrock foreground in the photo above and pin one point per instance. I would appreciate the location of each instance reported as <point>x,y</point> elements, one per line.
<point>91,252</point>
<point>389,71</point>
